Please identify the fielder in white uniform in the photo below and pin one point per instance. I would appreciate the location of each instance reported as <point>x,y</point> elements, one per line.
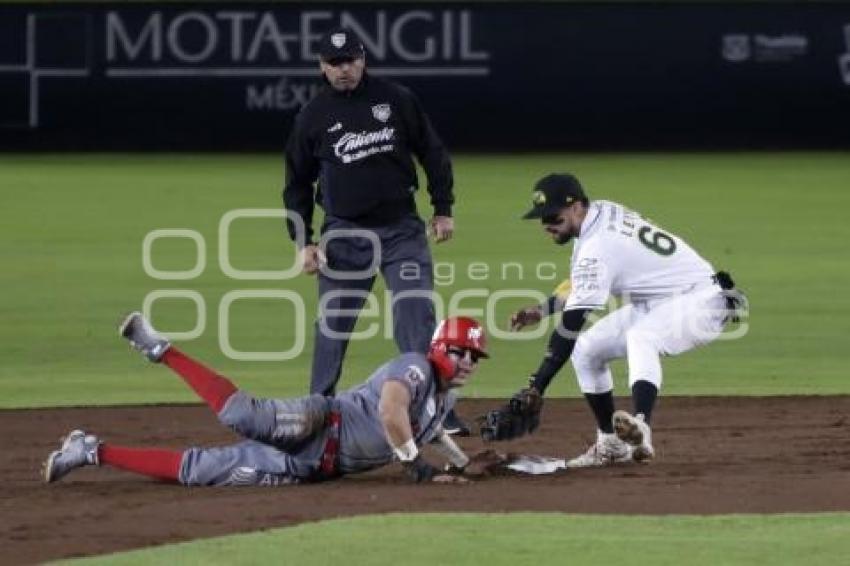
<point>674,302</point>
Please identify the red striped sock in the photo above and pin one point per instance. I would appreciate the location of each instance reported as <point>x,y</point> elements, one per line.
<point>152,462</point>
<point>214,389</point>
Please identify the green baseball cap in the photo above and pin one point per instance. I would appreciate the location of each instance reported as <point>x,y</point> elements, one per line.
<point>552,193</point>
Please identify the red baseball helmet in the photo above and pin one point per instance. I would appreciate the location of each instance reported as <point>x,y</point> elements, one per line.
<point>460,332</point>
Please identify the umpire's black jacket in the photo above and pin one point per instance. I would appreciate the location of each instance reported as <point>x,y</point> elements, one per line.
<point>359,146</point>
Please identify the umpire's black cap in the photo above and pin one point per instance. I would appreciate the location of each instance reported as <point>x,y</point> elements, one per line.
<point>340,44</point>
<point>554,192</point>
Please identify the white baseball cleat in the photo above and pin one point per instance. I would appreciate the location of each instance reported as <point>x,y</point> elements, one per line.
<point>607,451</point>
<point>78,449</point>
<point>141,335</point>
<point>634,431</point>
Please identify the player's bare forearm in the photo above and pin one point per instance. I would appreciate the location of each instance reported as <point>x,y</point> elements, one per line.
<point>392,409</point>
<point>395,417</point>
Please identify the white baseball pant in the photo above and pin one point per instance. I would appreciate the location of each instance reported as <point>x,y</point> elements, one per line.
<point>642,332</point>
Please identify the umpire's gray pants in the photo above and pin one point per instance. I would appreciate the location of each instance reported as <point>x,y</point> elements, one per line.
<point>405,262</point>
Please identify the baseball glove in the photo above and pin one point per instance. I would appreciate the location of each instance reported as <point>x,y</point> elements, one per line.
<point>518,417</point>
<point>526,317</point>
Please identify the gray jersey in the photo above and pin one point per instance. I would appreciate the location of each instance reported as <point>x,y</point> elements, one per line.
<point>363,442</point>
<point>287,437</point>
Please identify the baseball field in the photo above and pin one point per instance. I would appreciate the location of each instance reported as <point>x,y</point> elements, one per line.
<point>752,432</point>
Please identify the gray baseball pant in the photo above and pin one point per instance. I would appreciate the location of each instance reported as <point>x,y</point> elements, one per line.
<point>406,265</point>
<point>285,443</point>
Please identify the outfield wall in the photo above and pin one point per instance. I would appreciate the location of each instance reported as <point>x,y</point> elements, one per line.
<point>494,76</point>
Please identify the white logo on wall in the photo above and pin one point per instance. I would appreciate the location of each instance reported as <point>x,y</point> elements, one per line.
<point>736,47</point>
<point>844,58</point>
<point>381,112</point>
<point>284,94</point>
<point>71,63</point>
<point>275,44</point>
<point>762,48</point>
<point>277,49</point>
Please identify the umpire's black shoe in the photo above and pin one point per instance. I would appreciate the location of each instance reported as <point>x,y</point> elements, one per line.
<point>453,425</point>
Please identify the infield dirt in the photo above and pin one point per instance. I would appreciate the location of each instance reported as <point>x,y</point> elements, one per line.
<point>715,455</point>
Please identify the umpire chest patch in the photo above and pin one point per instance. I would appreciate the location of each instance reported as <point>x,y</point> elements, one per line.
<point>381,112</point>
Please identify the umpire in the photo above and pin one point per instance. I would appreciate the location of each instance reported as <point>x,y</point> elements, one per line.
<point>356,141</point>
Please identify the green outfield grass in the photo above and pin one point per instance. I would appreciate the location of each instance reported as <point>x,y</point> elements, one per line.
<point>523,538</point>
<point>72,231</point>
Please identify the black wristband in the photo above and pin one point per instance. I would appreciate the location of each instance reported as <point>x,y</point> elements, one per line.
<point>419,470</point>
<point>442,209</point>
<point>549,306</point>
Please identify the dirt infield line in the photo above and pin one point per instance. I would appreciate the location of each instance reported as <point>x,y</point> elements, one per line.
<point>715,455</point>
